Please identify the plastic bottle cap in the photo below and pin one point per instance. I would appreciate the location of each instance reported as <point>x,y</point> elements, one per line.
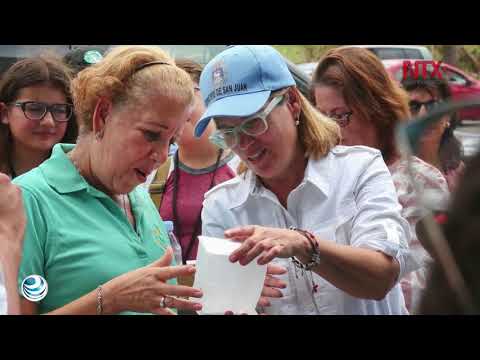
<point>169,225</point>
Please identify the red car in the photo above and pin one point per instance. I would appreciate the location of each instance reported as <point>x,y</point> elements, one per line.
<point>462,86</point>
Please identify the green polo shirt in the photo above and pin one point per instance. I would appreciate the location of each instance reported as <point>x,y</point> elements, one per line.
<point>77,237</point>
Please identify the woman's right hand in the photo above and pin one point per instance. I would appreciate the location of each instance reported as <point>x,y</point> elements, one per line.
<point>144,290</point>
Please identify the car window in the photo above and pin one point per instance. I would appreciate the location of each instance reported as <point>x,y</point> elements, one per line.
<point>455,78</point>
<point>388,53</point>
<point>199,53</point>
<point>413,54</point>
<point>10,54</point>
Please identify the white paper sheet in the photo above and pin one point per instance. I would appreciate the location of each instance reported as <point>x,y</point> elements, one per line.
<point>226,286</point>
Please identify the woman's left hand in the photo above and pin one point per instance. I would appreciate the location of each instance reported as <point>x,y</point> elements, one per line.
<point>265,243</point>
<point>272,285</point>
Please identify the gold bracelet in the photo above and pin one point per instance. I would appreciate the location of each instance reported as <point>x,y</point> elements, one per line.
<point>99,300</point>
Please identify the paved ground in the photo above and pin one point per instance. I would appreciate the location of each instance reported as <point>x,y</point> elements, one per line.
<point>469,134</point>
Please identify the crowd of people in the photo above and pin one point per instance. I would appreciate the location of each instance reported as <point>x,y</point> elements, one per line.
<point>315,188</point>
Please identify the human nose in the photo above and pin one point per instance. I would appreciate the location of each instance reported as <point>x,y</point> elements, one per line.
<point>159,153</point>
<point>244,140</point>
<point>422,111</point>
<point>48,119</point>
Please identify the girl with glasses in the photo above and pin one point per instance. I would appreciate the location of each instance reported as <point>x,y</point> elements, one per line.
<point>36,112</point>
<point>354,79</point>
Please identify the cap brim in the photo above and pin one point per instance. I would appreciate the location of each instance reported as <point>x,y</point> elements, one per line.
<point>234,106</point>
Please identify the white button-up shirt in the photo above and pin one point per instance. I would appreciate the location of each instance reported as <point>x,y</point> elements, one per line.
<point>347,197</point>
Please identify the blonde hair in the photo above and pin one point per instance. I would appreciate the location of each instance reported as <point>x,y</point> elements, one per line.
<point>118,78</point>
<point>317,133</point>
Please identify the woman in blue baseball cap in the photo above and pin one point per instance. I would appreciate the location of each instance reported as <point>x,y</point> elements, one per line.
<point>327,213</point>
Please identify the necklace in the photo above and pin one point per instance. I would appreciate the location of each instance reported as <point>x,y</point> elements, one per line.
<point>124,203</point>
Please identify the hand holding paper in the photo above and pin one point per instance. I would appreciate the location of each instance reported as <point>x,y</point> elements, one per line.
<point>226,286</point>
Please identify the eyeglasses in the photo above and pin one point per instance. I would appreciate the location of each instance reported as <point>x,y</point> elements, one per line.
<point>255,125</point>
<point>36,111</point>
<point>341,119</point>
<point>415,106</point>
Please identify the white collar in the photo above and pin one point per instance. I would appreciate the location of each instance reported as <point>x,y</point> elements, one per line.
<point>317,173</point>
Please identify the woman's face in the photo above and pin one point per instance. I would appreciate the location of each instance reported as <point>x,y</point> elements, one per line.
<point>271,154</point>
<point>434,133</point>
<point>188,137</point>
<point>34,134</point>
<point>136,140</point>
<point>330,101</point>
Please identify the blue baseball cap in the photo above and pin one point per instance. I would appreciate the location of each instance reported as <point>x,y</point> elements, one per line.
<point>238,82</point>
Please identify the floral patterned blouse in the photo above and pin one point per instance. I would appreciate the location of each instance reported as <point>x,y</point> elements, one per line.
<point>434,187</point>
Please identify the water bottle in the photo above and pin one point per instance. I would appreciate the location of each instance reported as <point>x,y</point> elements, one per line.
<point>177,249</point>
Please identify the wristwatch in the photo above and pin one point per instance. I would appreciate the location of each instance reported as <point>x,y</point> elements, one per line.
<point>315,260</point>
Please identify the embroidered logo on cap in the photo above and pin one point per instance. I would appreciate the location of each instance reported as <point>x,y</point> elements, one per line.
<point>219,74</point>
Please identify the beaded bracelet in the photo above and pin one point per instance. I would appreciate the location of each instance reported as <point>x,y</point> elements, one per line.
<point>315,260</point>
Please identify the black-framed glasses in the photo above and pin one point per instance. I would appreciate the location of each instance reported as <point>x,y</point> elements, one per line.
<point>36,111</point>
<point>415,105</point>
<point>342,119</point>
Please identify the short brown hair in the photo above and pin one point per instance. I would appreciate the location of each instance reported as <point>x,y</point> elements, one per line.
<point>37,70</point>
<point>367,89</point>
<point>117,77</point>
<point>193,68</point>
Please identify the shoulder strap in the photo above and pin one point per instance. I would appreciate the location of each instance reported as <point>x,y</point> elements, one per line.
<point>157,187</point>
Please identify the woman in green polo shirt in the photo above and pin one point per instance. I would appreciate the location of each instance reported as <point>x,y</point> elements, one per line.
<point>92,234</point>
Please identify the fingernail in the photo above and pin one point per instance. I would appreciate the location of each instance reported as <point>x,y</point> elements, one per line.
<point>232,258</point>
<point>198,294</point>
<point>197,307</point>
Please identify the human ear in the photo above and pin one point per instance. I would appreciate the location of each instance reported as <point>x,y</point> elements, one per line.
<point>102,109</point>
<point>3,113</point>
<point>294,104</point>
